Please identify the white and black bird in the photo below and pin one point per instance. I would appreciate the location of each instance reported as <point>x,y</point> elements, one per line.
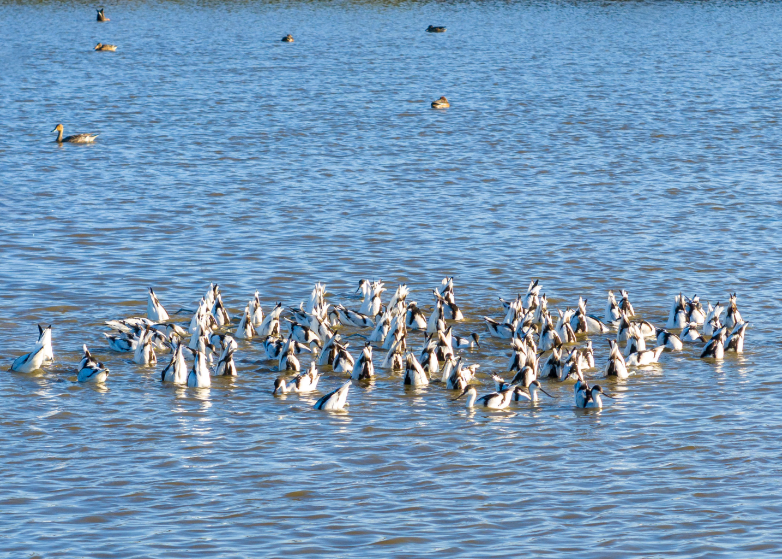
<point>303,383</point>
<point>520,396</point>
<point>335,400</point>
<point>645,356</point>
<point>226,366</point>
<point>246,329</point>
<point>735,342</point>
<point>502,330</point>
<point>733,316</point>
<point>256,312</point>
<point>271,324</point>
<point>616,365</point>
<point>494,401</point>
<point>45,341</point>
<point>414,373</point>
<point>199,376</point>
<point>155,311</point>
<point>144,354</point>
<point>669,340</point>
<point>176,370</point>
<point>363,369</point>
<point>715,349</point>
<point>690,334</point>
<point>343,361</point>
<point>90,369</point>
<point>677,318</point>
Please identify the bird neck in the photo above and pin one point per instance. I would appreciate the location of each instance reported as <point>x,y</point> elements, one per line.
<point>59,135</point>
<point>471,397</point>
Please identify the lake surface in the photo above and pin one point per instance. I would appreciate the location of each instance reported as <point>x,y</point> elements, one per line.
<point>593,145</point>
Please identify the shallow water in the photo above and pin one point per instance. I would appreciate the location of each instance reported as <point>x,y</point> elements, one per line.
<point>594,145</point>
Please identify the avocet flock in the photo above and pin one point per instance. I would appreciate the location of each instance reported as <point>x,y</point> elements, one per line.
<point>539,348</point>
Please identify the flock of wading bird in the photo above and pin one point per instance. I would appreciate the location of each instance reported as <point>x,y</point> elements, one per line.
<point>540,348</point>
<point>88,138</point>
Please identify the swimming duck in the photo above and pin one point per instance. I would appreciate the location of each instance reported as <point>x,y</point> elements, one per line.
<point>694,310</point>
<point>101,16</point>
<point>335,400</point>
<point>585,324</point>
<point>288,38</point>
<point>519,395</point>
<point>101,46</point>
<point>271,324</point>
<point>715,349</point>
<point>616,365</point>
<point>226,367</point>
<point>677,318</point>
<point>635,341</point>
<point>592,397</point>
<point>288,360</point>
<point>144,353</point>
<point>494,401</point>
<point>29,362</point>
<point>435,29</point>
<point>199,377</point>
<point>343,360</point>
<point>712,325</point>
<point>121,344</point>
<point>690,334</point>
<point>91,370</point>
<point>155,311</point>
<point>353,318</point>
<point>625,306</point>
<point>414,373</point>
<point>219,311</point>
<point>671,341</point>
<point>245,330</point>
<point>735,341</point>
<point>441,103</point>
<point>612,309</point>
<point>363,369</point>
<point>176,370</point>
<point>255,310</point>
<point>466,343</point>
<point>301,384</point>
<point>45,341</point>
<point>733,317</point>
<point>415,319</point>
<point>645,356</point>
<point>75,139</point>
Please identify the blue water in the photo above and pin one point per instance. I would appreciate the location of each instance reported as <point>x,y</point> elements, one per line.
<point>593,145</point>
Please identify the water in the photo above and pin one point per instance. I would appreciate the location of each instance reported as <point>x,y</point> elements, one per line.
<point>592,145</point>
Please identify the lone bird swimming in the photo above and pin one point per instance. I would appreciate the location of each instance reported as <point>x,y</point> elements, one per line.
<point>441,103</point>
<point>288,38</point>
<point>75,139</point>
<point>101,46</point>
<point>435,29</point>
<point>101,15</point>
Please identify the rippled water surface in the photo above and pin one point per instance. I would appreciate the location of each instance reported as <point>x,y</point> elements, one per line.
<point>593,145</point>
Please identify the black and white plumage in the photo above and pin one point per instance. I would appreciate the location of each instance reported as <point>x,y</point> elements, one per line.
<point>199,376</point>
<point>715,349</point>
<point>343,361</point>
<point>300,384</point>
<point>669,340</point>
<point>414,374</point>
<point>226,367</point>
<point>246,329</point>
<point>271,323</point>
<point>90,369</point>
<point>735,342</point>
<point>415,319</point>
<point>144,354</point>
<point>176,370</point>
<point>303,334</point>
<point>532,395</point>
<point>363,369</point>
<point>29,362</point>
<point>494,401</point>
<point>335,400</point>
<point>733,316</point>
<point>690,334</point>
<point>616,365</point>
<point>677,318</point>
<point>256,311</point>
<point>45,341</point>
<point>645,357</point>
<point>155,311</point>
<point>288,360</point>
